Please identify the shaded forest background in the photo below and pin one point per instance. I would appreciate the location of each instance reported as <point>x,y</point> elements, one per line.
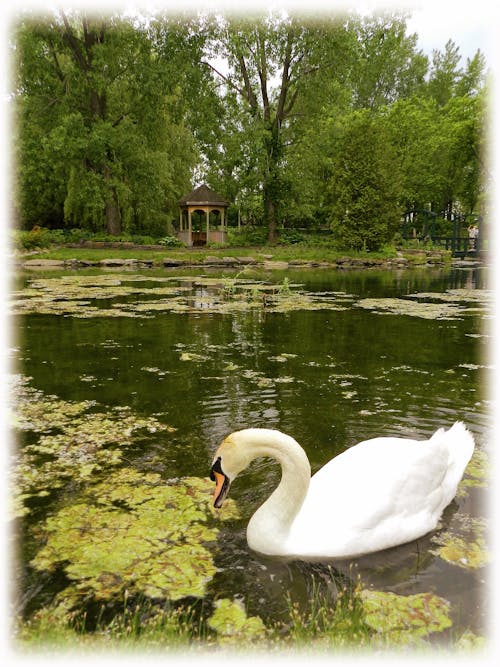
<point>339,123</point>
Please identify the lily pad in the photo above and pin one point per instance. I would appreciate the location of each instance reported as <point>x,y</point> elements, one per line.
<point>137,534</point>
<point>232,624</point>
<point>402,619</point>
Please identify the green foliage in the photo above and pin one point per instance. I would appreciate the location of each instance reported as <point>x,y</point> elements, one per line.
<point>171,242</point>
<point>110,150</point>
<point>365,212</point>
<point>108,135</point>
<point>38,237</point>
<point>247,236</point>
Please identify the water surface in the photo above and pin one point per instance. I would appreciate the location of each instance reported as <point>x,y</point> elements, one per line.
<point>330,378</point>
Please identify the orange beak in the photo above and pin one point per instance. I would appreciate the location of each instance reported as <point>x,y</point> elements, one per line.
<point>219,483</point>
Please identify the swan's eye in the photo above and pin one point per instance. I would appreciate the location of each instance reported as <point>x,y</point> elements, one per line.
<point>216,467</point>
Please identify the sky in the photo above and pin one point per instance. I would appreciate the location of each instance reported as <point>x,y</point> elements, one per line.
<point>469,24</point>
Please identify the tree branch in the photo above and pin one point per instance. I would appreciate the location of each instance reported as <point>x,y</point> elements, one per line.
<point>225,78</point>
<point>73,43</point>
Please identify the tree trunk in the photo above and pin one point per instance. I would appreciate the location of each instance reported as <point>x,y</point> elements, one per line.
<point>112,213</point>
<point>270,218</point>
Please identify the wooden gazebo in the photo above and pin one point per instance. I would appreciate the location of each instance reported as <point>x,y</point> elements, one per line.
<point>202,200</point>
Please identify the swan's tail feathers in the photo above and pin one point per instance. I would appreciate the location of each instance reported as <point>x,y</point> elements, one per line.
<point>460,444</point>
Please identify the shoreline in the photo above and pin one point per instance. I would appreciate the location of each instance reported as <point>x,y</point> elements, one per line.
<point>280,258</point>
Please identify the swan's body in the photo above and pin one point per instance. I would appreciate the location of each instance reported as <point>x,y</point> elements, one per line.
<point>375,495</point>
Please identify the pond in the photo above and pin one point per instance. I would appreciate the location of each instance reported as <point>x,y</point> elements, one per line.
<point>127,381</point>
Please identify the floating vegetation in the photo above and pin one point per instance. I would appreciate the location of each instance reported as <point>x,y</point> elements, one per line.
<point>192,356</point>
<point>74,441</point>
<point>464,544</point>
<point>477,472</point>
<point>232,624</point>
<point>463,295</point>
<point>283,357</point>
<point>135,533</point>
<point>80,296</point>
<point>261,381</point>
<point>428,311</point>
<point>405,619</point>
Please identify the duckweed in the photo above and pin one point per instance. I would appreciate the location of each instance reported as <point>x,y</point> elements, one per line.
<point>428,311</point>
<point>75,296</point>
<point>232,624</point>
<point>464,543</point>
<point>135,533</point>
<point>403,619</point>
<point>73,442</point>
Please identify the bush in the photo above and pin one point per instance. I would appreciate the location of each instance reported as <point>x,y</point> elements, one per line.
<point>171,242</point>
<point>247,236</point>
<point>290,236</point>
<point>37,238</point>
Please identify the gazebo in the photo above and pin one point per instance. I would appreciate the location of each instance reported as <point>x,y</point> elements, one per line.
<point>202,200</point>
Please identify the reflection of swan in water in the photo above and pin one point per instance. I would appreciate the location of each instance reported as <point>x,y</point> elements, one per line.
<point>378,494</point>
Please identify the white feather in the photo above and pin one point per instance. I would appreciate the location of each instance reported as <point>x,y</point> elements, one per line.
<point>375,495</point>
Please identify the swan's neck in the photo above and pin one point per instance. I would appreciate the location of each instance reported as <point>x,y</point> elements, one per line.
<point>269,526</point>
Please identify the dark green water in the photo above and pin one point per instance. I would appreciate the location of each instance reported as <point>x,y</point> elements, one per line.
<point>328,378</point>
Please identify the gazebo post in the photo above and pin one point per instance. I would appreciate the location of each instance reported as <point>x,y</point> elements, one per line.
<point>190,237</point>
<point>208,224</point>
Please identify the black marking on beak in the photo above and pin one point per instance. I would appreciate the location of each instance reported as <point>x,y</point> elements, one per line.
<point>222,483</point>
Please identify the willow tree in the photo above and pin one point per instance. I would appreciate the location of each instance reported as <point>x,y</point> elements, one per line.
<point>272,63</point>
<point>102,141</point>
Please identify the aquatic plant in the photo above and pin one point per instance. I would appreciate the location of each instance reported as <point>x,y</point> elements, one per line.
<point>233,626</point>
<point>76,296</point>
<point>134,533</point>
<point>74,442</point>
<point>428,311</point>
<point>404,619</point>
<point>464,543</point>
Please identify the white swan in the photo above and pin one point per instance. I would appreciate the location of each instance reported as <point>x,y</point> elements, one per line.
<point>375,495</point>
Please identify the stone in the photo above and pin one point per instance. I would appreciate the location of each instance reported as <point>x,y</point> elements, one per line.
<point>87,262</point>
<point>277,265</point>
<point>246,260</point>
<point>112,262</point>
<point>44,263</point>
<point>172,261</point>
<point>302,262</point>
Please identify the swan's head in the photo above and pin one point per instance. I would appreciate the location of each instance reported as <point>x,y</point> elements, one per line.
<point>230,459</point>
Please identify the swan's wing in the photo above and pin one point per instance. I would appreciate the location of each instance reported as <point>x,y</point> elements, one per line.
<point>378,482</point>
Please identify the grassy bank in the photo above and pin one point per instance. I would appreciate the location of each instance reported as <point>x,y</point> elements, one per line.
<point>297,253</point>
<point>195,255</point>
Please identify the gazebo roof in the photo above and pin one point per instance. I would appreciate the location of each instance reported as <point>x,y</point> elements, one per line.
<point>203,195</point>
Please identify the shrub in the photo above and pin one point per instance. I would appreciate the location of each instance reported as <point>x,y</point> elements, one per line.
<point>38,237</point>
<point>247,236</point>
<point>290,236</point>
<point>171,242</point>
